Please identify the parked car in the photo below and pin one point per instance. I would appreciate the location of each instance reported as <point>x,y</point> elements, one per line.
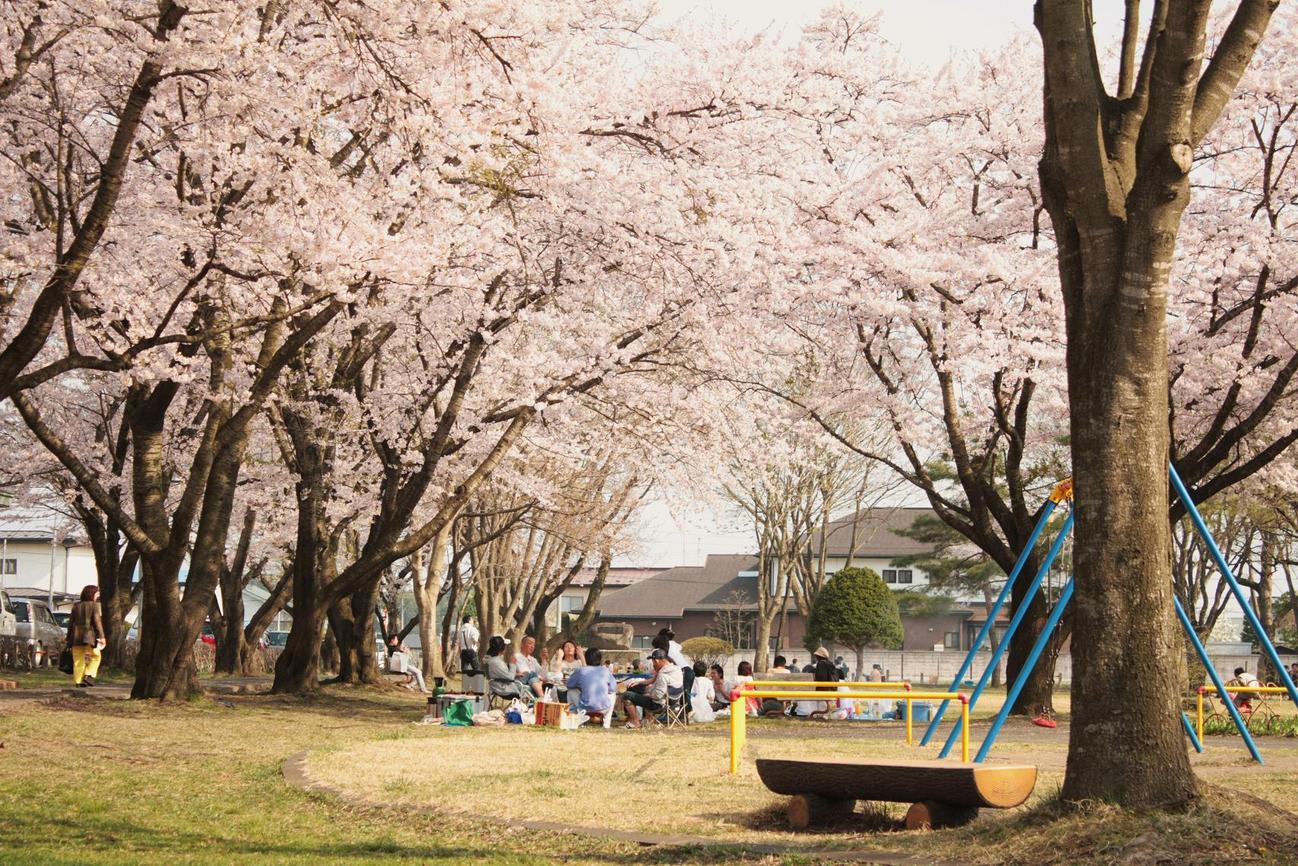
<point>35,623</point>
<point>8,622</point>
<point>62,617</point>
<point>276,638</point>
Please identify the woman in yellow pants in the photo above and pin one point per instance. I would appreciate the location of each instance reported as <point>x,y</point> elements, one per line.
<point>86,637</point>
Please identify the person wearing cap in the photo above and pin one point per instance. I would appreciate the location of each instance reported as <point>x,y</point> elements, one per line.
<point>654,698</point>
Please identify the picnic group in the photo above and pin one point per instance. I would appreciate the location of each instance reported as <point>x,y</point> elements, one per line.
<point>662,688</point>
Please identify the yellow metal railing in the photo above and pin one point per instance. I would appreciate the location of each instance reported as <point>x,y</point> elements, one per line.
<point>1257,690</point>
<point>739,707</point>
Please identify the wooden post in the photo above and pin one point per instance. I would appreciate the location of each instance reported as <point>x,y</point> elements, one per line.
<point>931,815</point>
<point>808,809</point>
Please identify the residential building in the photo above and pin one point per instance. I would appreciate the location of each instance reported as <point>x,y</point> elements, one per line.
<point>569,605</point>
<point>720,597</point>
<point>44,553</point>
<point>872,538</point>
<point>717,598</point>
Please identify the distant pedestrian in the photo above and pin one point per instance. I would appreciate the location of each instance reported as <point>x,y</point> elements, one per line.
<point>469,637</point>
<point>842,667</point>
<point>86,637</point>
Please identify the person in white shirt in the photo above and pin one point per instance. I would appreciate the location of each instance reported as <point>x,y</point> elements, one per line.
<point>702,695</point>
<point>1244,700</point>
<point>401,662</point>
<point>527,670</point>
<point>666,641</point>
<point>468,641</point>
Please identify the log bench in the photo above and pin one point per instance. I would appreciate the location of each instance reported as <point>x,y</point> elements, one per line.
<point>941,794</point>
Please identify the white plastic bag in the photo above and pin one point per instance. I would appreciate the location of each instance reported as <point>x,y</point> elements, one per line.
<point>572,721</point>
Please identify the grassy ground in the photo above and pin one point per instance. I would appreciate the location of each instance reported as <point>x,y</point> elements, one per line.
<point>92,780</point>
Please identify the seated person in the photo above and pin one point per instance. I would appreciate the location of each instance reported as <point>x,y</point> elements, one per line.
<point>654,697</point>
<point>501,679</point>
<point>1293,672</point>
<point>721,698</point>
<point>703,695</point>
<point>527,670</point>
<point>745,675</point>
<point>567,660</point>
<point>401,662</point>
<point>592,687</point>
<point>780,667</point>
<point>1244,700</point>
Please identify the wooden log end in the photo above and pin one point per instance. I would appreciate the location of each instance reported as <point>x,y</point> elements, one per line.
<point>931,815</point>
<point>807,810</point>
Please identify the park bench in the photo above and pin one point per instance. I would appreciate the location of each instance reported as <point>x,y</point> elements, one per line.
<point>942,794</point>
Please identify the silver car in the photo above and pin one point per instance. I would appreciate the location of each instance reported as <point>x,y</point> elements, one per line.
<point>8,623</point>
<point>35,623</point>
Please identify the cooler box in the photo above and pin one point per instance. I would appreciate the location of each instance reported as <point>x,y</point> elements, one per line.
<point>444,701</point>
<point>922,709</point>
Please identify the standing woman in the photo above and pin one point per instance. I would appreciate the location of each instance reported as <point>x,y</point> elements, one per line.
<point>86,637</point>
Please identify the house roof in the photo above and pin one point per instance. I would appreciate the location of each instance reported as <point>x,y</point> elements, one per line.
<point>877,533</point>
<point>715,585</point>
<point>38,523</point>
<point>618,576</point>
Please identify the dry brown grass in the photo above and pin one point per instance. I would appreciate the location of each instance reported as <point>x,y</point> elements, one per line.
<point>628,780</point>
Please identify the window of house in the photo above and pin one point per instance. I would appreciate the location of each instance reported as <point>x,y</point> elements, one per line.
<point>951,640</point>
<point>898,575</point>
<point>643,642</point>
<point>10,566</point>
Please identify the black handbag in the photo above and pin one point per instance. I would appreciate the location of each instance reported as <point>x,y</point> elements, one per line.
<point>65,660</point>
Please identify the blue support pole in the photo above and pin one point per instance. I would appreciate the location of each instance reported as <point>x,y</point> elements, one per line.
<point>1189,729</point>
<point>991,618</point>
<point>1037,648</point>
<point>1234,584</point>
<point>1216,680</point>
<point>985,679</point>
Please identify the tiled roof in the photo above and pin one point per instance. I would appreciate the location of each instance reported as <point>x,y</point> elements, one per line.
<point>715,585</point>
<point>877,533</point>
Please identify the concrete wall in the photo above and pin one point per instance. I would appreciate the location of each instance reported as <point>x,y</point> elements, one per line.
<point>939,667</point>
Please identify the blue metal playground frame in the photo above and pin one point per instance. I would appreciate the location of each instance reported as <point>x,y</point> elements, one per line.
<point>1062,493</point>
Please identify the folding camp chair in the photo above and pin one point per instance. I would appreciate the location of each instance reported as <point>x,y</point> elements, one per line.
<point>676,711</point>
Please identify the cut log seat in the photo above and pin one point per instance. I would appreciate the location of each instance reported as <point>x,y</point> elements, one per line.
<point>945,794</point>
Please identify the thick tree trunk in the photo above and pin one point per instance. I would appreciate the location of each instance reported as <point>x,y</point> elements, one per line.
<point>1126,741</point>
<point>352,623</point>
<point>229,641</point>
<point>297,670</point>
<point>1115,180</point>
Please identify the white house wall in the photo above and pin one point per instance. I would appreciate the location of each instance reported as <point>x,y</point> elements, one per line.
<point>834,563</point>
<point>74,567</point>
